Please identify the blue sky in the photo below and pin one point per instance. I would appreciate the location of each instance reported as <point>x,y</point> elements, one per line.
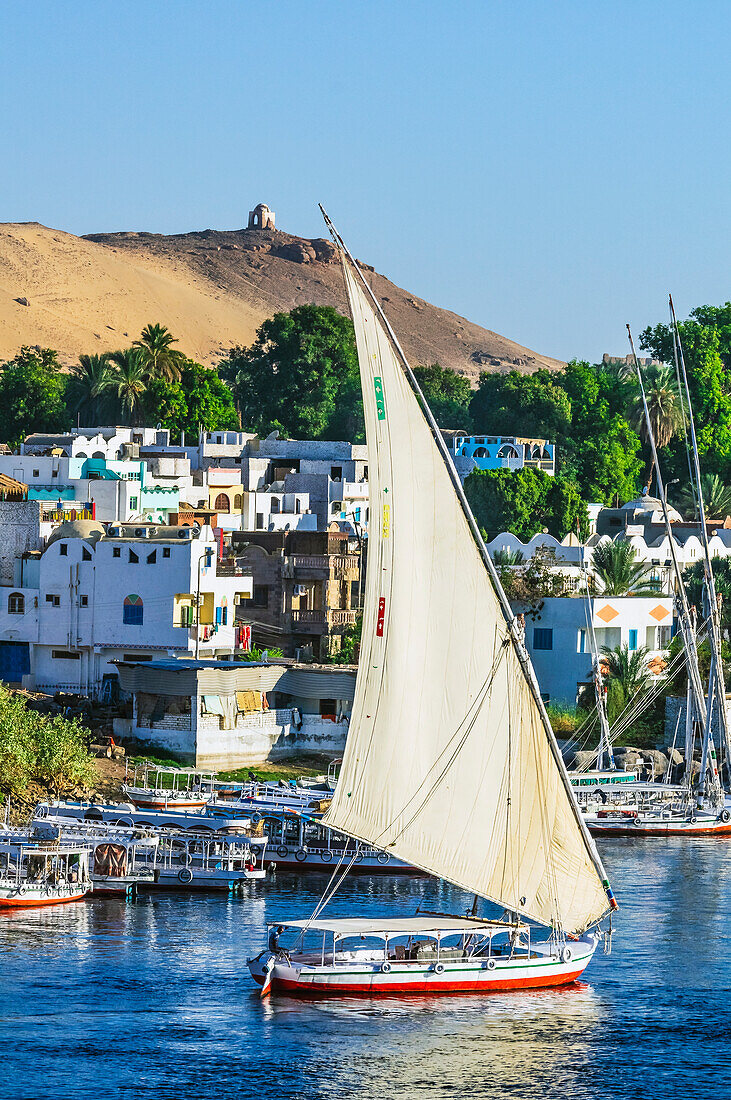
<point>548,170</point>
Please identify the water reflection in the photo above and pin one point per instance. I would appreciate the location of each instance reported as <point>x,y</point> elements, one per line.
<point>133,999</point>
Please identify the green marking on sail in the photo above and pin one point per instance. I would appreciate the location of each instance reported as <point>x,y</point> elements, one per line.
<point>380,403</point>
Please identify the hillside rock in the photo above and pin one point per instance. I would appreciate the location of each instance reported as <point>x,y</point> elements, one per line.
<point>212,288</point>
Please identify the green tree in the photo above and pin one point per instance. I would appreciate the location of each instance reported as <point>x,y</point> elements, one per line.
<point>627,673</point>
<point>619,572</point>
<point>600,450</point>
<point>159,355</point>
<point>716,498</point>
<point>693,581</point>
<point>209,401</point>
<point>520,404</point>
<point>89,388</point>
<point>300,376</point>
<point>32,395</point>
<point>130,378</point>
<point>663,406</point>
<point>448,395</point>
<point>710,388</point>
<point>524,502</point>
<point>198,401</point>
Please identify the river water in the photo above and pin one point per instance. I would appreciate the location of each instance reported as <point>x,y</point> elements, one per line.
<point>152,998</point>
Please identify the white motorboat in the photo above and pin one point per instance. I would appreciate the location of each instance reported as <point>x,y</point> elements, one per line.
<point>33,875</point>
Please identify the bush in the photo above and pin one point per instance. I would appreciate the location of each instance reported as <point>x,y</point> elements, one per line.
<point>36,748</point>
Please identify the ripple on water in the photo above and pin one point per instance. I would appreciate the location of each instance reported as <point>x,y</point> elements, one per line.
<point>152,998</point>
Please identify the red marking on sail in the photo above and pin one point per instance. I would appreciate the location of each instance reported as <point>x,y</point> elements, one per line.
<point>381,616</point>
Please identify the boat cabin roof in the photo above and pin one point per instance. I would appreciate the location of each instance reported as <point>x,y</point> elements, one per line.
<point>396,926</point>
<point>32,848</point>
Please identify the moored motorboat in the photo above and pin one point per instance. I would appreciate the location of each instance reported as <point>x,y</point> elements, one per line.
<point>158,788</point>
<point>34,875</point>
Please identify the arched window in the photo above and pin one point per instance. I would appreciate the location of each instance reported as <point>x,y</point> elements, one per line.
<point>98,454</point>
<point>16,603</point>
<point>132,611</point>
<point>238,502</point>
<point>222,503</point>
<point>480,452</point>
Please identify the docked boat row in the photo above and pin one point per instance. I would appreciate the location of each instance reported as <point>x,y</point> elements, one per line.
<point>469,785</point>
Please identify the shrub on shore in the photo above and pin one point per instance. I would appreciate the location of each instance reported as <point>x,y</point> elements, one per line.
<point>37,749</point>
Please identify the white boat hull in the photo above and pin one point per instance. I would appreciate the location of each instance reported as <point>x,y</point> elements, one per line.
<point>194,878</point>
<point>30,896</point>
<point>398,979</point>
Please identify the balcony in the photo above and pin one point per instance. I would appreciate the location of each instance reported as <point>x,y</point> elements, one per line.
<point>309,620</point>
<point>339,564</point>
<point>318,621</point>
<point>231,569</point>
<point>342,618</point>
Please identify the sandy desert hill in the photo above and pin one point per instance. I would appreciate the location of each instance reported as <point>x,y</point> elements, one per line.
<point>212,289</point>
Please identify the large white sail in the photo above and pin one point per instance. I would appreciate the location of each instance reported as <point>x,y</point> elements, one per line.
<point>448,765</point>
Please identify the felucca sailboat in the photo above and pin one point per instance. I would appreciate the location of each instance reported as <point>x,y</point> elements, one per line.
<point>451,764</point>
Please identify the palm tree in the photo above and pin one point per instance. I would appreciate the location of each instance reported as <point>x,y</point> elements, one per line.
<point>618,571</point>
<point>130,378</point>
<point>627,666</point>
<point>508,557</point>
<point>89,386</point>
<point>627,672</point>
<point>716,498</point>
<point>663,403</point>
<point>162,359</point>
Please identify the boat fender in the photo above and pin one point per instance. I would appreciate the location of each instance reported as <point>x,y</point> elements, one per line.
<point>490,964</point>
<point>439,968</point>
<point>725,816</point>
<point>693,819</point>
<point>566,955</point>
<point>385,968</point>
<point>185,874</point>
<point>300,855</point>
<point>358,857</point>
<point>326,855</point>
<point>282,851</point>
<point>383,857</point>
<point>255,818</point>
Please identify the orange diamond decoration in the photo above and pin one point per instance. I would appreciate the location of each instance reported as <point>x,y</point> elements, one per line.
<point>607,613</point>
<point>659,612</point>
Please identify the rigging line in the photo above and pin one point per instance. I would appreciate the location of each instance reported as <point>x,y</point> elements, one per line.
<point>715,632</point>
<point>698,695</point>
<point>519,646</point>
<point>682,410</point>
<point>325,898</point>
<point>470,719</point>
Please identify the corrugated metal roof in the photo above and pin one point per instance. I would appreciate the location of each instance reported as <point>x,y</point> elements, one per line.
<point>227,677</point>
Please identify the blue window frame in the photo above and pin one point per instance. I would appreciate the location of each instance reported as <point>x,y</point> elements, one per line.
<point>633,639</point>
<point>542,637</point>
<point>132,611</point>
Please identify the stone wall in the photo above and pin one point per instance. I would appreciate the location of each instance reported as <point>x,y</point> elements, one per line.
<point>267,736</point>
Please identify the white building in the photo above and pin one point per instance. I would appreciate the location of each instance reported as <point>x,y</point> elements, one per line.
<point>556,637</point>
<point>91,598</point>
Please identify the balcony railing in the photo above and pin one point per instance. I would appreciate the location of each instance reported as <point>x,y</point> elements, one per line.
<point>338,563</point>
<point>231,569</point>
<point>308,617</point>
<point>342,618</point>
<point>314,618</point>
